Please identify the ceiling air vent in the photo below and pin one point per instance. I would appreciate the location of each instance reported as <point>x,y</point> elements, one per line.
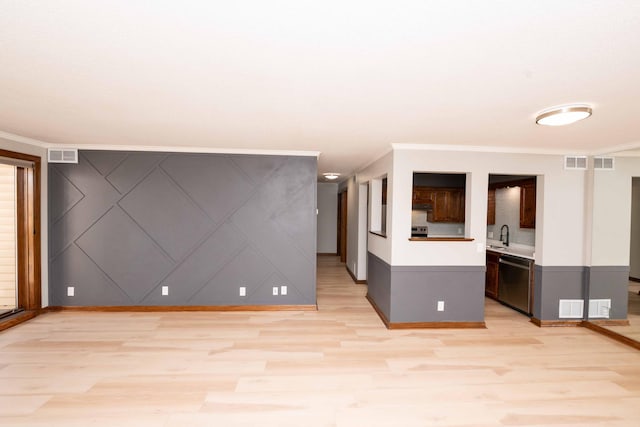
<point>63,155</point>
<point>603,163</point>
<point>575,162</point>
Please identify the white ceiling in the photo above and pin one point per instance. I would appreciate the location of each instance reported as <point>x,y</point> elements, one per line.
<point>346,78</point>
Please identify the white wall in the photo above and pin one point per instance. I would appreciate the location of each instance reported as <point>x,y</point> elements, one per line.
<point>378,245</point>
<point>635,230</point>
<point>611,238</point>
<point>25,148</point>
<point>559,203</point>
<point>327,218</point>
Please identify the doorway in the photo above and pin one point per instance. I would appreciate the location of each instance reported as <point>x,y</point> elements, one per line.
<point>20,275</point>
<point>342,226</point>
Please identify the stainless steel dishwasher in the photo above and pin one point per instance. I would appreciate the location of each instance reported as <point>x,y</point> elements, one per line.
<point>513,282</point>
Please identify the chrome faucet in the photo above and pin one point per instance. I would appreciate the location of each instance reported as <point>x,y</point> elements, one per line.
<point>506,241</point>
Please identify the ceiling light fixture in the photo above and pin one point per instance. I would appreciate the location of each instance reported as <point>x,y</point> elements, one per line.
<point>331,175</point>
<point>565,115</point>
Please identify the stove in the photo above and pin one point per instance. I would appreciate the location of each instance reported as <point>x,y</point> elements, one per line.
<point>420,231</point>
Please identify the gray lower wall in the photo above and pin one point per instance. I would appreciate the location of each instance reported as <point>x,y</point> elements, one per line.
<point>379,283</point>
<point>611,282</point>
<point>553,284</point>
<point>124,224</point>
<point>410,294</point>
<point>558,282</point>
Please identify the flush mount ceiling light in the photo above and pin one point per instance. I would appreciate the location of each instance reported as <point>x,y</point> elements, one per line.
<point>565,115</point>
<point>331,175</point>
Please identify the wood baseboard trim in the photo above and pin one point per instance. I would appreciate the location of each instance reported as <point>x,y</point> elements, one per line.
<point>325,254</point>
<point>18,318</point>
<point>634,279</point>
<point>613,335</point>
<point>555,323</point>
<point>424,325</point>
<point>438,325</point>
<point>167,308</point>
<point>610,322</point>
<point>355,280</point>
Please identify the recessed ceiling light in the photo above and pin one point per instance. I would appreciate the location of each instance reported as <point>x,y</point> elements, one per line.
<point>565,115</point>
<point>331,175</point>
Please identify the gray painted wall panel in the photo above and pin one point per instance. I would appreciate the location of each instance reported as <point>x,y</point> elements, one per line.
<point>379,283</point>
<point>126,224</point>
<point>415,294</point>
<point>611,282</point>
<point>409,294</point>
<point>553,284</point>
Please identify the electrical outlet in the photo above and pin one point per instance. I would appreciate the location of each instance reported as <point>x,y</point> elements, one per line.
<point>243,291</point>
<point>71,291</point>
<point>165,291</point>
<point>283,290</point>
<point>275,290</point>
<point>459,230</point>
<point>440,305</point>
<point>490,234</point>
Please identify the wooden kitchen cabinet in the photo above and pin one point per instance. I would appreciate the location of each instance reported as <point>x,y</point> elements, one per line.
<point>448,205</point>
<point>528,204</point>
<point>491,207</point>
<point>491,275</point>
<point>421,195</point>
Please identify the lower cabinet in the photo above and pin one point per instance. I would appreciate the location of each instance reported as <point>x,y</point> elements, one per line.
<point>491,278</point>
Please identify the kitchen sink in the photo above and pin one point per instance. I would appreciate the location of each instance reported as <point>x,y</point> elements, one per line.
<point>496,247</point>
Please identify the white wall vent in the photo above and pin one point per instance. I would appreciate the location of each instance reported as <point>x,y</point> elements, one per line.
<point>62,155</point>
<point>604,163</point>
<point>575,162</point>
<point>571,308</point>
<point>599,308</point>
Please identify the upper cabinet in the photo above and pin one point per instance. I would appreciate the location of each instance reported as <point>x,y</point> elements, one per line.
<point>446,204</point>
<point>528,204</point>
<point>491,207</point>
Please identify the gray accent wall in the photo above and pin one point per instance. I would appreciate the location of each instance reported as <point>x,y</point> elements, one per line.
<point>554,283</point>
<point>611,282</point>
<point>124,224</point>
<point>409,294</point>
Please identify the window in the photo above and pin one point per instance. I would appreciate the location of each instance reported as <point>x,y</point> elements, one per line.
<point>379,206</point>
<point>438,205</point>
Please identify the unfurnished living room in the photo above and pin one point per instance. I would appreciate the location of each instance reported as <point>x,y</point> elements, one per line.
<point>295,213</point>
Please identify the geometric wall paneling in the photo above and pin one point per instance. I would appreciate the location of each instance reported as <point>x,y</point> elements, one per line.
<point>206,180</point>
<point>125,253</point>
<point>258,168</point>
<point>75,268</point>
<point>104,161</point>
<point>68,196</point>
<point>167,215</point>
<point>199,267</point>
<point>127,223</point>
<point>133,169</point>
<point>223,287</point>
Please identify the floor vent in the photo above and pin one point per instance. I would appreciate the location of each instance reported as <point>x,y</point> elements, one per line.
<point>62,155</point>
<point>599,308</point>
<point>571,309</point>
<point>603,163</point>
<point>575,162</point>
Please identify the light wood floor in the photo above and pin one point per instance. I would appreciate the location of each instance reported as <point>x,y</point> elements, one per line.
<point>633,330</point>
<point>338,366</point>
